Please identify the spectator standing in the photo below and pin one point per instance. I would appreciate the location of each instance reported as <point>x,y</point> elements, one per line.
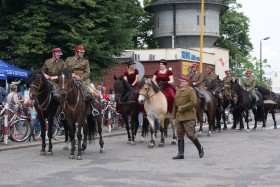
<point>3,93</point>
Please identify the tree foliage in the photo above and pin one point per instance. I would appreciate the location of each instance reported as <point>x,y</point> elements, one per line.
<point>31,28</point>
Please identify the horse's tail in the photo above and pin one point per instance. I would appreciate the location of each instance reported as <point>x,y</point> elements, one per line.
<point>145,125</point>
<point>92,128</point>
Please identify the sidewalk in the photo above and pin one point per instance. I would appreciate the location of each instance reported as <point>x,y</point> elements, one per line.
<point>58,139</point>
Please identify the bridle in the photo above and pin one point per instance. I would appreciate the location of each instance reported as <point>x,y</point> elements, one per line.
<point>37,93</point>
<point>147,88</point>
<point>67,92</point>
<point>121,94</point>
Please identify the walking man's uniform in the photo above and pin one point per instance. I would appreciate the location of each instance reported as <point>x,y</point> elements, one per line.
<point>184,114</point>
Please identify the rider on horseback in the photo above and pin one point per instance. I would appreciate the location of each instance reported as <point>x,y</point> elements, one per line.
<point>249,84</point>
<point>227,85</point>
<point>51,68</point>
<point>81,73</point>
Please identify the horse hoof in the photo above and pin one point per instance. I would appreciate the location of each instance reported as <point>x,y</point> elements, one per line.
<point>49,154</point>
<point>275,128</point>
<point>233,127</point>
<point>209,133</point>
<point>42,153</point>
<point>174,142</point>
<point>128,141</point>
<point>102,150</point>
<point>132,143</point>
<point>151,146</point>
<point>65,148</point>
<point>79,158</point>
<point>199,134</point>
<point>141,140</point>
<point>161,144</point>
<point>71,156</point>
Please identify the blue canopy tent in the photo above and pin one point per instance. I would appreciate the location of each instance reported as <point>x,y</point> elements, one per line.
<point>13,72</point>
<point>3,75</point>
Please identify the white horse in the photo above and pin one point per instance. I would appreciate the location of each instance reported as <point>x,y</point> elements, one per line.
<point>155,104</point>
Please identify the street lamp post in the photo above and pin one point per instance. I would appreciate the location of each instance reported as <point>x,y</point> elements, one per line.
<point>266,38</point>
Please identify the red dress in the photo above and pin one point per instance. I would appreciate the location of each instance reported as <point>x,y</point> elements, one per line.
<point>130,79</point>
<point>168,90</point>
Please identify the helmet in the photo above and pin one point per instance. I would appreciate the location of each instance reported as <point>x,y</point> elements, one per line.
<point>79,48</point>
<point>57,51</point>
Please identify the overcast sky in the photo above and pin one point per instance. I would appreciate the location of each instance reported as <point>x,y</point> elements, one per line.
<point>263,23</point>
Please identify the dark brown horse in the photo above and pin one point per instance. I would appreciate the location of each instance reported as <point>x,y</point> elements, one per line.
<point>76,110</point>
<point>243,103</point>
<point>126,97</point>
<point>45,105</point>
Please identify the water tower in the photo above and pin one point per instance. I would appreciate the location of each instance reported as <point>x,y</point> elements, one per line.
<point>180,20</point>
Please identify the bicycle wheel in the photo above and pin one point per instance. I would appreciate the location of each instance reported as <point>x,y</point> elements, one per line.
<point>20,130</point>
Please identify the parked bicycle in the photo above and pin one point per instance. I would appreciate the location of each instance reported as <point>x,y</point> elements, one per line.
<point>19,127</point>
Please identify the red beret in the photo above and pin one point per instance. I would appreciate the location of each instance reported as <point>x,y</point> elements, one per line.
<point>211,68</point>
<point>184,78</point>
<point>79,48</point>
<point>194,65</point>
<point>249,71</point>
<point>57,51</point>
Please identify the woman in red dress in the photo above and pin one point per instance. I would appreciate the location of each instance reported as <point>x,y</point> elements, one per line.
<point>164,78</point>
<point>131,75</point>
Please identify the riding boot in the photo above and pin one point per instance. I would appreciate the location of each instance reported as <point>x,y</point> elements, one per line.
<point>203,103</point>
<point>181,147</point>
<point>94,112</point>
<point>199,148</point>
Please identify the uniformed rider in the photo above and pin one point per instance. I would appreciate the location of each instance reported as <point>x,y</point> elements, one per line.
<point>198,84</point>
<point>51,69</point>
<point>249,84</point>
<point>81,73</point>
<point>227,85</point>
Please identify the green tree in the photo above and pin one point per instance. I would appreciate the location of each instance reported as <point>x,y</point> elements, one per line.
<point>234,30</point>
<point>36,26</point>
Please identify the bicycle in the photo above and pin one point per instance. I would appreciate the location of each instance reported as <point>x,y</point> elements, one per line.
<point>19,128</point>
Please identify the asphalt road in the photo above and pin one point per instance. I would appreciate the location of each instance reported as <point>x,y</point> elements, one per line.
<point>232,158</point>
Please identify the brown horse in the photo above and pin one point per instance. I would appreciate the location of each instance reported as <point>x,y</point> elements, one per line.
<point>155,105</point>
<point>75,110</point>
<point>211,113</point>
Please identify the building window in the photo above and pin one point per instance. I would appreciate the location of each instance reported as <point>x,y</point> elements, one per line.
<point>198,20</point>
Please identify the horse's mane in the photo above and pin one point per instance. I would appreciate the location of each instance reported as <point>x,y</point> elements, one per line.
<point>66,72</point>
<point>213,83</point>
<point>153,84</point>
<point>264,91</point>
<point>126,84</point>
<point>32,77</point>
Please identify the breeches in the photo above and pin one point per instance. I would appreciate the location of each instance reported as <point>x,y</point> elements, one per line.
<point>186,127</point>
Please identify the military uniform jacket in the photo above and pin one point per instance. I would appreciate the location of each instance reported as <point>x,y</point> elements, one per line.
<point>227,82</point>
<point>249,83</point>
<point>186,99</point>
<point>197,77</point>
<point>207,79</point>
<point>189,75</point>
<point>52,68</point>
<point>80,67</point>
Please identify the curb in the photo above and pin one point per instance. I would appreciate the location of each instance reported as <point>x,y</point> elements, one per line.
<point>60,139</point>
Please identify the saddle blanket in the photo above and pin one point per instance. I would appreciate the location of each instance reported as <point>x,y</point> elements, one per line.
<point>270,102</point>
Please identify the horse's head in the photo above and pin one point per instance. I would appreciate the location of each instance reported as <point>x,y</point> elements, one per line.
<point>144,90</point>
<point>119,88</point>
<point>215,86</point>
<point>235,88</point>
<point>64,83</point>
<point>35,82</point>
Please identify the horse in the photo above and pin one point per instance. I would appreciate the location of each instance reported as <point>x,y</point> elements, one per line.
<point>242,103</point>
<point>271,103</point>
<point>211,112</point>
<point>215,87</point>
<point>155,104</point>
<point>76,110</point>
<point>126,97</point>
<point>46,106</point>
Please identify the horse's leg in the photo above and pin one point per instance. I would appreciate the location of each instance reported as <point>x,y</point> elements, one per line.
<point>224,120</point>
<point>136,122</point>
<point>43,135</point>
<point>174,129</point>
<point>273,117</point>
<point>241,119</point>
<point>132,126</point>
<point>161,121</point>
<point>145,128</point>
<point>99,125</point>
<point>66,134</point>
<point>199,117</point>
<point>86,125</point>
<point>72,130</point>
<point>152,129</point>
<point>79,137</point>
<point>166,122</point>
<point>235,118</point>
<point>50,134</point>
<point>125,118</point>
<point>255,116</point>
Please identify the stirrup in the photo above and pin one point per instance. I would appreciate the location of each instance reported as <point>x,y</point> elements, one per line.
<point>95,112</point>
